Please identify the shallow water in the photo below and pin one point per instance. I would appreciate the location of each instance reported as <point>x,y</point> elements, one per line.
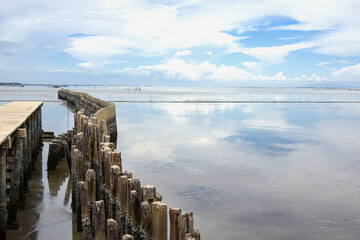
<point>247,170</point>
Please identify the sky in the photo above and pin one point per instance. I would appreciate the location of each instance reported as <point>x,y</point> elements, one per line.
<point>190,42</point>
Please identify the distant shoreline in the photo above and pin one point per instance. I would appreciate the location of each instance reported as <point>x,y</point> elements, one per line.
<point>312,86</point>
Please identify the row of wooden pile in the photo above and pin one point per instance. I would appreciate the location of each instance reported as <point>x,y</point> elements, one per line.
<point>109,202</point>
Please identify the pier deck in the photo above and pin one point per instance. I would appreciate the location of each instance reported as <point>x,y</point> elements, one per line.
<point>13,115</point>
<point>20,140</point>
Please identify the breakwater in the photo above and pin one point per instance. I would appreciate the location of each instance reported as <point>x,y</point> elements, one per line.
<point>20,130</point>
<point>108,201</point>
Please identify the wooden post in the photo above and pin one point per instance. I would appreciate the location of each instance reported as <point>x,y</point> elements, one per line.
<point>103,127</point>
<point>196,234</point>
<point>86,225</point>
<point>3,209</point>
<point>91,184</point>
<point>123,192</point>
<point>135,207</point>
<point>149,193</point>
<point>129,174</point>
<point>79,166</point>
<point>132,184</point>
<point>99,219</point>
<point>112,229</point>
<point>83,199</point>
<point>113,183</point>
<point>174,223</point>
<point>116,159</point>
<point>15,184</point>
<point>107,168</point>
<point>106,138</point>
<point>117,183</point>
<point>186,224</point>
<point>127,237</point>
<point>147,219</point>
<point>159,211</point>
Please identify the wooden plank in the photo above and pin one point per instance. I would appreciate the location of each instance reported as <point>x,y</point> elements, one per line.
<point>13,115</point>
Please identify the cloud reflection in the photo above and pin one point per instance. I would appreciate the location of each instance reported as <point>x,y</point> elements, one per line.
<point>254,171</point>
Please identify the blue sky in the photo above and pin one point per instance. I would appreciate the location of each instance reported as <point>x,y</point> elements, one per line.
<point>191,42</point>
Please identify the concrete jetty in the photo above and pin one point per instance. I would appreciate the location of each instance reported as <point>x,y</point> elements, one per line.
<point>20,140</point>
<point>108,201</point>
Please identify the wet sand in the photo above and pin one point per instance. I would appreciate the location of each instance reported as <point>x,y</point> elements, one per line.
<point>48,213</point>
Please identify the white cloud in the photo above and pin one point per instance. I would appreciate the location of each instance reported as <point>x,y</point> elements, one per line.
<point>98,50</point>
<point>272,55</point>
<point>179,69</point>
<point>345,42</point>
<point>209,53</point>
<point>85,65</point>
<point>182,53</point>
<point>350,73</point>
<point>324,64</point>
<point>142,28</point>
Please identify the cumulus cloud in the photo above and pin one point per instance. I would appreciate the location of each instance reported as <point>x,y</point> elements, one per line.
<point>181,70</point>
<point>139,28</point>
<point>98,50</point>
<point>350,73</point>
<point>182,53</point>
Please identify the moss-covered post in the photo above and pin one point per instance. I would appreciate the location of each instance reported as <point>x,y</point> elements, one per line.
<point>90,180</point>
<point>86,225</point>
<point>112,229</point>
<point>114,170</point>
<point>146,219</point>
<point>15,179</point>
<point>123,192</point>
<point>99,219</point>
<point>3,209</point>
<point>127,237</point>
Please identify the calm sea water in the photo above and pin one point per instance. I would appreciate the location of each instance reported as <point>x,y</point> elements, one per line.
<point>253,170</point>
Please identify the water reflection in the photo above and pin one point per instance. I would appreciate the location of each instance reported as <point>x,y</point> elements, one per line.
<point>250,171</point>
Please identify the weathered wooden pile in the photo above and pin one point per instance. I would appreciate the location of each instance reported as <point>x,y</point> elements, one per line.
<point>109,202</point>
<point>17,156</point>
<point>59,149</point>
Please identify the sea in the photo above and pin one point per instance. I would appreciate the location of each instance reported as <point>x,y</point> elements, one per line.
<point>251,163</point>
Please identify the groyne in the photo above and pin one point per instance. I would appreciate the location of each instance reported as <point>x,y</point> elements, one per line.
<point>20,136</point>
<point>108,201</point>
